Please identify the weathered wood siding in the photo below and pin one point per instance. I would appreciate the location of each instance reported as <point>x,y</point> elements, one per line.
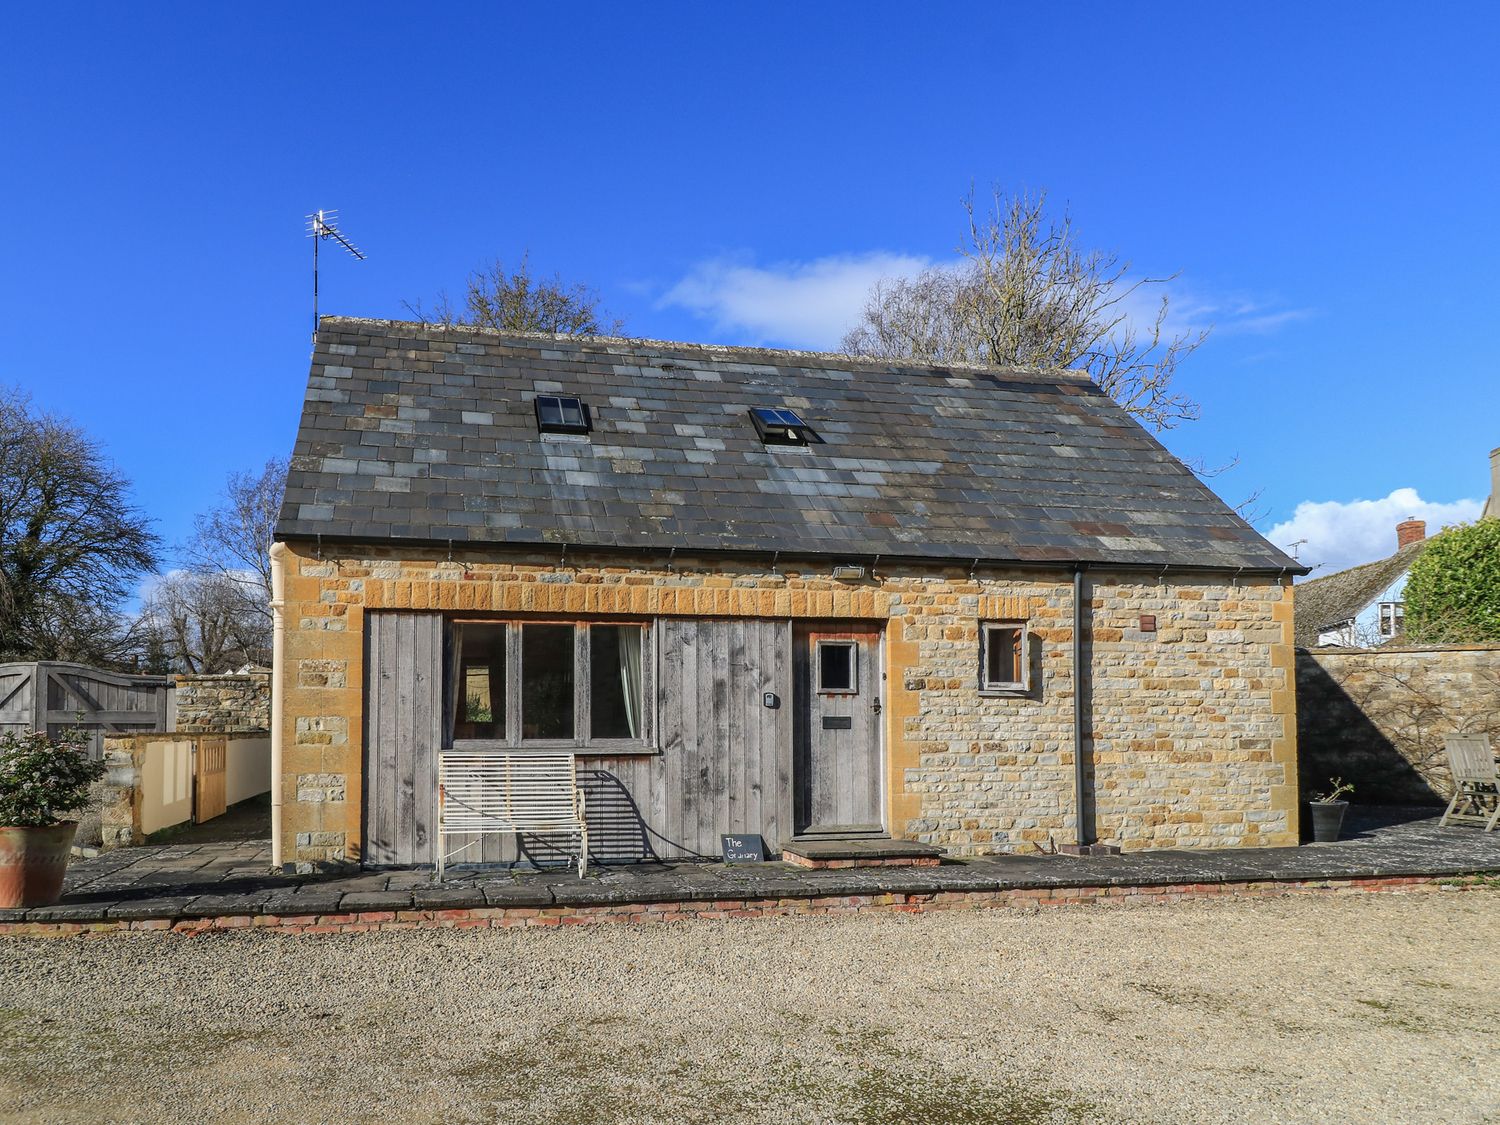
<point>403,731</point>
<point>726,758</point>
<point>724,762</point>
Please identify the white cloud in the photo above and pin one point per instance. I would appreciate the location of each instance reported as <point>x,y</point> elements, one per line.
<point>812,304</point>
<point>793,304</point>
<point>1341,534</point>
<point>1192,311</point>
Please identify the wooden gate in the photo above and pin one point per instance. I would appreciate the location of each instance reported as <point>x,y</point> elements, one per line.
<point>53,696</point>
<point>209,776</point>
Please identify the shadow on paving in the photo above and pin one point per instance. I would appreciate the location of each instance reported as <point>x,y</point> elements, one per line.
<point>187,879</point>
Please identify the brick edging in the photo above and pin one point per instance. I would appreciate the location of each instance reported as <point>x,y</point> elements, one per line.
<point>516,917</point>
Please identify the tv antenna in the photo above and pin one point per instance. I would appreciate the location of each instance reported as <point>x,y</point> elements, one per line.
<point>1293,548</point>
<point>322,225</point>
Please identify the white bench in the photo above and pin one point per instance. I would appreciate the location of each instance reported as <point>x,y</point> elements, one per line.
<point>508,791</point>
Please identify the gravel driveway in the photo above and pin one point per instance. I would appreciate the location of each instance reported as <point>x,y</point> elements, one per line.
<point>1360,1008</point>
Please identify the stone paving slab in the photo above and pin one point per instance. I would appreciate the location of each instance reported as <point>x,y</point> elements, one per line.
<point>185,881</point>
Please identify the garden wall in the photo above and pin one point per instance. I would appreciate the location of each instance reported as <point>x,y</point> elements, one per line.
<point>232,701</point>
<point>1377,717</point>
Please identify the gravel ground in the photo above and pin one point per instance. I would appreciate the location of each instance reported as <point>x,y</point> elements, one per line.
<point>1377,1008</point>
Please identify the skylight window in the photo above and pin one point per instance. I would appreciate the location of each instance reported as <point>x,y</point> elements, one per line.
<point>780,426</point>
<point>559,414</point>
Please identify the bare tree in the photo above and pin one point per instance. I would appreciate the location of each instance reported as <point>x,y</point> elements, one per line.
<point>72,546</point>
<point>232,542</point>
<point>518,301</point>
<point>200,623</point>
<point>1029,295</point>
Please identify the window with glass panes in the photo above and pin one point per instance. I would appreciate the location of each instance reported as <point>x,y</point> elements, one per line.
<point>578,683</point>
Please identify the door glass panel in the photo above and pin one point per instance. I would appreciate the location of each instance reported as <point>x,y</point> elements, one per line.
<point>615,681</point>
<point>547,681</point>
<point>478,688</point>
<point>836,666</point>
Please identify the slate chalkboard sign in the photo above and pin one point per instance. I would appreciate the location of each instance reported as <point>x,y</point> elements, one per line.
<point>743,849</point>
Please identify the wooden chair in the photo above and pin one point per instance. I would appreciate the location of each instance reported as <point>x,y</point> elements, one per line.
<point>1476,781</point>
<point>508,791</point>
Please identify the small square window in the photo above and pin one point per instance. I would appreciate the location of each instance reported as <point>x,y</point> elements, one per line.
<point>1002,657</point>
<point>838,670</point>
<point>779,426</point>
<point>559,414</point>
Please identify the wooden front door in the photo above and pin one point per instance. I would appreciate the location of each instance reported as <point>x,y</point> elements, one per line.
<point>837,754</point>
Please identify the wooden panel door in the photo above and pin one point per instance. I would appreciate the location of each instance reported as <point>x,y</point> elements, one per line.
<point>210,774</point>
<point>403,732</point>
<point>839,683</point>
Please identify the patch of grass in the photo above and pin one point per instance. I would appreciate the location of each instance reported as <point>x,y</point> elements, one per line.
<point>1394,1016</point>
<point>1475,882</point>
<point>598,1073</point>
<point>861,1042</point>
<point>894,1097</point>
<point>1182,996</point>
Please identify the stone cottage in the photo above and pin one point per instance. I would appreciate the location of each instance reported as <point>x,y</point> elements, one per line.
<point>1362,606</point>
<point>792,595</point>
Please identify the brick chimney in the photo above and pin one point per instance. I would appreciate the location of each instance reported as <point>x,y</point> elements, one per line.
<point>1410,531</point>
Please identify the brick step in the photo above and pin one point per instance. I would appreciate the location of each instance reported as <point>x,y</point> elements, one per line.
<point>822,854</point>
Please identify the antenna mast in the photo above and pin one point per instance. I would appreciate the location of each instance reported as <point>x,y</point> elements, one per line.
<point>321,225</point>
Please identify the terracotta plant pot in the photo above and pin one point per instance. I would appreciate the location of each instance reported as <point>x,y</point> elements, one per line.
<point>1327,820</point>
<point>32,863</point>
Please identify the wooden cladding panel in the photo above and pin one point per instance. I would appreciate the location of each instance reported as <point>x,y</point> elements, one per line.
<point>403,731</point>
<point>725,756</point>
<point>725,760</point>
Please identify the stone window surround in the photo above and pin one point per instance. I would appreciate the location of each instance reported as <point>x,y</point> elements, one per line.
<point>1004,689</point>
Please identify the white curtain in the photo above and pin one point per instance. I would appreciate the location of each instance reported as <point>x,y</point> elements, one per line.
<point>456,699</point>
<point>630,675</point>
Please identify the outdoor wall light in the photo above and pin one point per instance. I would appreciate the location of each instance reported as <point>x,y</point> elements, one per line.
<point>849,572</point>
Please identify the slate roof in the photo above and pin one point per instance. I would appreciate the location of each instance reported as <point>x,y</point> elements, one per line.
<point>427,434</point>
<point>1334,599</point>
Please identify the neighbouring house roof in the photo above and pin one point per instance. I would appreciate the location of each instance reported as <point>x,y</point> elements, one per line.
<point>1335,599</point>
<point>421,433</point>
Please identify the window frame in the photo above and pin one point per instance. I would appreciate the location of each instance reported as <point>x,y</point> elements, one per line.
<point>835,642</point>
<point>782,433</point>
<point>1396,610</point>
<point>1023,642</point>
<point>582,741</point>
<point>563,427</point>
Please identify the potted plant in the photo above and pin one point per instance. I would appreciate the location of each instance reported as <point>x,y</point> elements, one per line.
<point>42,780</point>
<point>1328,811</point>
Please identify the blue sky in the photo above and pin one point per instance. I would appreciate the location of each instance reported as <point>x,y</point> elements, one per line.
<point>1322,178</point>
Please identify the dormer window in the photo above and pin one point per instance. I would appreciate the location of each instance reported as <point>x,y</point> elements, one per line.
<point>780,426</point>
<point>558,414</point>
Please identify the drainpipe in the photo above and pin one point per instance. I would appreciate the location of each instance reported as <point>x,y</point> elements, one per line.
<point>1080,782</point>
<point>278,690</point>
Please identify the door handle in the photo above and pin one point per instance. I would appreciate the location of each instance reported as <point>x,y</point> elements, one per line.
<point>877,705</point>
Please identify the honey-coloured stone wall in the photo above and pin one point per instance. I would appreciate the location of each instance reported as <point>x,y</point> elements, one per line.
<point>1191,740</point>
